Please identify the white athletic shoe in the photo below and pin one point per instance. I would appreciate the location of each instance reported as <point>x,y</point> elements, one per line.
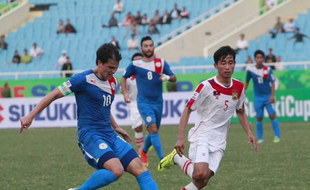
<point>72,188</point>
<point>260,141</point>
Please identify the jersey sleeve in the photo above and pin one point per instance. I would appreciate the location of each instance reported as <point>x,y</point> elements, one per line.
<point>167,69</point>
<point>240,104</point>
<point>248,76</point>
<point>196,98</point>
<point>130,70</point>
<point>72,85</point>
<point>271,75</point>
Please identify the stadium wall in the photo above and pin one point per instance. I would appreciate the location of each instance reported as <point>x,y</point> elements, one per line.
<point>14,17</point>
<point>191,42</point>
<point>261,25</point>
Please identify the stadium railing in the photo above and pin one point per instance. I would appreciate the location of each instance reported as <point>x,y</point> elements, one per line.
<point>177,69</point>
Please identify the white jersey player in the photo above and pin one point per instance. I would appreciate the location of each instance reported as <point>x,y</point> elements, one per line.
<point>215,101</point>
<point>135,117</point>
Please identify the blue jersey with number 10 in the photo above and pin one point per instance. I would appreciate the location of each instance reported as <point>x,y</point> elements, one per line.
<point>94,97</point>
<point>261,80</point>
<point>150,88</point>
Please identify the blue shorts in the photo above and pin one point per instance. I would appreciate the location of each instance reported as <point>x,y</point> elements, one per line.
<point>151,112</point>
<point>260,103</point>
<point>96,144</point>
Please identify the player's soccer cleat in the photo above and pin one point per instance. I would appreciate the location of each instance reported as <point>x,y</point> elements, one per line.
<point>276,140</point>
<point>167,161</point>
<point>151,148</point>
<point>143,157</point>
<point>260,141</point>
<point>73,189</point>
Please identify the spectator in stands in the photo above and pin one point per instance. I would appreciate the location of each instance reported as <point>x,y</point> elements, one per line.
<point>145,20</point>
<point>26,58</point>
<point>156,17</point>
<point>242,43</point>
<point>16,57</point>
<point>112,21</point>
<point>6,91</point>
<point>114,42</point>
<point>3,44</point>
<point>69,28</point>
<point>270,58</point>
<point>298,36</point>
<point>62,59</point>
<point>118,7</point>
<point>278,28</point>
<point>138,17</point>
<point>184,13</point>
<point>132,43</point>
<point>127,20</point>
<point>36,52</point>
<point>67,67</point>
<point>166,19</point>
<point>279,65</point>
<point>290,26</point>
<point>175,13</point>
<point>61,27</point>
<point>133,26</point>
<point>152,28</point>
<point>249,62</point>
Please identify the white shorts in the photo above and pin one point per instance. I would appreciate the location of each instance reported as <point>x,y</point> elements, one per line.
<point>135,117</point>
<point>200,152</point>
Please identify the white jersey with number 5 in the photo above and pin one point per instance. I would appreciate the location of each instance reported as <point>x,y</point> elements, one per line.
<point>215,105</point>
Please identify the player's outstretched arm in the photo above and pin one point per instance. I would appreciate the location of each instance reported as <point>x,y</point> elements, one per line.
<point>120,130</point>
<point>243,118</point>
<point>124,91</point>
<point>47,100</point>
<point>182,125</point>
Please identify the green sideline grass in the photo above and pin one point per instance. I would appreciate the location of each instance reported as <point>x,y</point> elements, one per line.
<point>49,159</point>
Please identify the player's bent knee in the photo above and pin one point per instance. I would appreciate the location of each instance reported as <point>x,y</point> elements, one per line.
<point>200,176</point>
<point>118,171</point>
<point>272,116</point>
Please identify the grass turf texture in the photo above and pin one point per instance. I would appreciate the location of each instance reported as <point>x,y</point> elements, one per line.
<point>50,159</point>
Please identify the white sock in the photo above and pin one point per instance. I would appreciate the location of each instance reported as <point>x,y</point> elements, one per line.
<point>139,139</point>
<point>185,164</point>
<point>190,186</point>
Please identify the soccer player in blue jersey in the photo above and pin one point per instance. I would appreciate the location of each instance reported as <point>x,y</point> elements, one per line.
<point>150,73</point>
<point>264,95</point>
<point>103,149</point>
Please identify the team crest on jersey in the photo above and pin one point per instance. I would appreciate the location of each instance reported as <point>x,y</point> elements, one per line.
<point>216,94</point>
<point>113,85</point>
<point>158,64</point>
<point>234,95</point>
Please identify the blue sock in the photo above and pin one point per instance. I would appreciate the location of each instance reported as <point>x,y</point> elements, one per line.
<point>99,179</point>
<point>259,130</point>
<point>157,145</point>
<point>147,143</point>
<point>276,128</point>
<point>146,182</point>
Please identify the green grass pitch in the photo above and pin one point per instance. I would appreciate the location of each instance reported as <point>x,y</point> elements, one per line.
<point>49,159</point>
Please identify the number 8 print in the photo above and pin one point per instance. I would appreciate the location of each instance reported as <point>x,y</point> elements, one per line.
<point>149,75</point>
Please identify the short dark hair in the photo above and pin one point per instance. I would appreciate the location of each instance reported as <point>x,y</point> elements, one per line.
<point>223,52</point>
<point>135,55</point>
<point>107,51</point>
<point>259,52</point>
<point>145,38</point>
